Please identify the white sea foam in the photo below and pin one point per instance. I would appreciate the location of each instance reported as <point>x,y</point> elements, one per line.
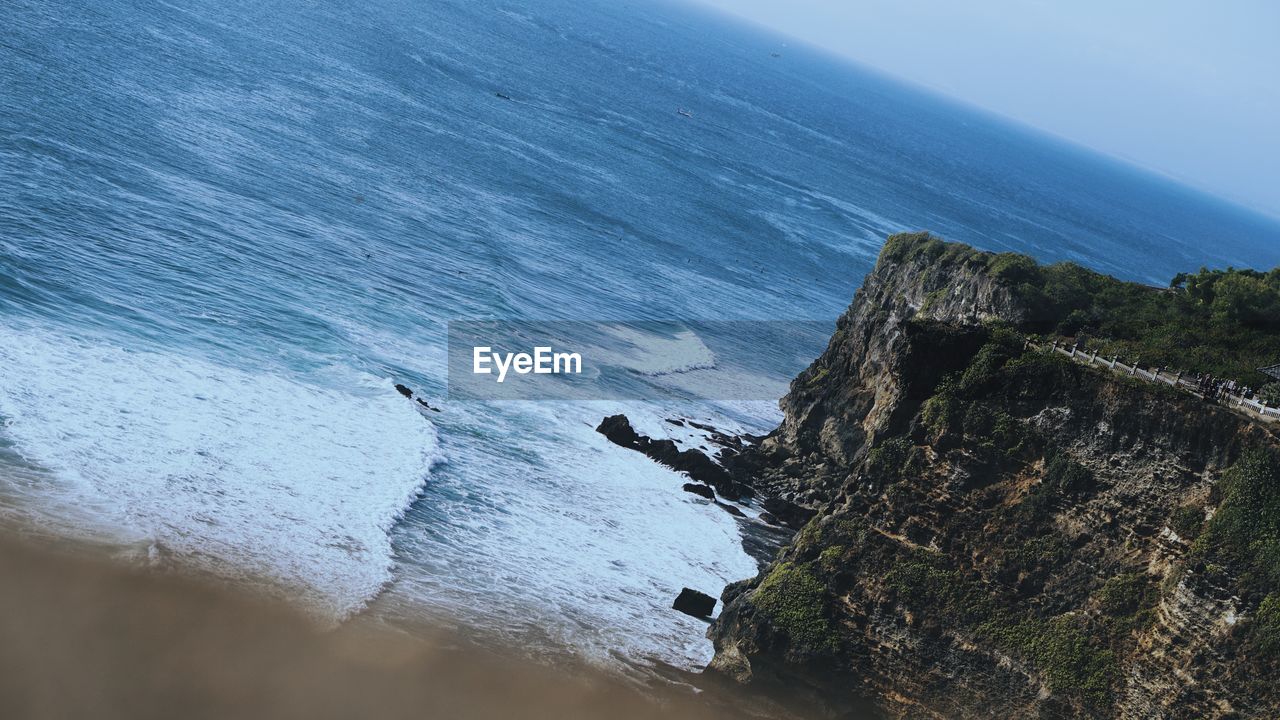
<point>543,533</point>
<point>255,476</point>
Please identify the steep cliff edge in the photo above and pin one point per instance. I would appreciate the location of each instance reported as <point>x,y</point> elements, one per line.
<point>1001,530</point>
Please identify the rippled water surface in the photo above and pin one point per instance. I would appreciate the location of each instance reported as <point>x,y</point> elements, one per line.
<point>227,228</point>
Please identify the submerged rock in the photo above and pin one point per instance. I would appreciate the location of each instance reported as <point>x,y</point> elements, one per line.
<point>618,429</point>
<point>785,512</point>
<point>733,510</point>
<point>700,490</point>
<point>697,604</point>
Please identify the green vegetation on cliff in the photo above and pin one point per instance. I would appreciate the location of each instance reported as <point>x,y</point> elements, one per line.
<point>993,519</point>
<point>975,409</point>
<point>981,411</point>
<point>794,601</point>
<point>1222,322</point>
<point>1244,534</point>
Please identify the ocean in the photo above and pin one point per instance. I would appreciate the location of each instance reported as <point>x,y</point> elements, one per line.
<point>227,229</point>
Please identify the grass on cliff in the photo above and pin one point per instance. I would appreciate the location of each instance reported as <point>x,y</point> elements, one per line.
<point>1224,322</point>
<point>794,596</point>
<point>1076,653</point>
<point>1243,537</point>
<point>1264,631</point>
<point>794,600</point>
<point>1129,600</point>
<point>974,405</point>
<point>1070,660</point>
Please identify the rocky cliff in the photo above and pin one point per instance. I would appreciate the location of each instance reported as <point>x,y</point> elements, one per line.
<point>1002,531</point>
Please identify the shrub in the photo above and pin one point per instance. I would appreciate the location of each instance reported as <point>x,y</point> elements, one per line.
<point>1270,394</point>
<point>1264,631</point>
<point>1070,662</point>
<point>1129,600</point>
<point>1043,551</point>
<point>827,530</point>
<point>922,582</point>
<point>818,376</point>
<point>1244,534</point>
<point>795,601</point>
<point>1064,475</point>
<point>893,460</point>
<point>1015,269</point>
<point>832,559</point>
<point>1222,322</point>
<point>1187,522</point>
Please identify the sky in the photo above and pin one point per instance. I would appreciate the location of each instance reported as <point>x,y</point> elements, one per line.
<point>1187,88</point>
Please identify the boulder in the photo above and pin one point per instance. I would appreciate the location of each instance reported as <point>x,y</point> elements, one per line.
<point>617,428</point>
<point>404,390</point>
<point>700,489</point>
<point>694,603</point>
<point>733,510</point>
<point>788,513</point>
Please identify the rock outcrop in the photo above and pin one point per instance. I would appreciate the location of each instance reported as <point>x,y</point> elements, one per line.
<point>695,603</point>
<point>618,429</point>
<point>1000,531</point>
<point>700,490</point>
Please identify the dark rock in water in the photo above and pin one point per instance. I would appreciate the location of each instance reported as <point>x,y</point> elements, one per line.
<point>427,405</point>
<point>691,462</point>
<point>699,489</point>
<point>732,509</point>
<point>404,390</point>
<point>697,465</point>
<point>767,517</point>
<point>697,604</point>
<point>674,421</point>
<point>619,431</point>
<point>788,513</point>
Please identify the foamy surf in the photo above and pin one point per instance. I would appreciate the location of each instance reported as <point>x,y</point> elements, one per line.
<point>255,476</point>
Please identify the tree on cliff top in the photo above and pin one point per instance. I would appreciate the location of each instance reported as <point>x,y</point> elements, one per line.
<point>1222,322</point>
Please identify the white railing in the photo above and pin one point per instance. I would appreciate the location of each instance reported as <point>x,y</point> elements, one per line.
<point>1176,379</point>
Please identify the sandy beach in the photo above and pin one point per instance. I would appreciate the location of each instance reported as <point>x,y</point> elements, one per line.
<point>85,636</point>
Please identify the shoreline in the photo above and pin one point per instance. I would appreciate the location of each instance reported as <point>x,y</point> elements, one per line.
<point>99,546</point>
<point>146,643</point>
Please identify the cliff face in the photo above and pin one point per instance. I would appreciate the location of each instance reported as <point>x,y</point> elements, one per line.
<point>1001,530</point>
<point>914,318</point>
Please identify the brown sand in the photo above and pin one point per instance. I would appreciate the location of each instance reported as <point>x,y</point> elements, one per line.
<point>83,637</point>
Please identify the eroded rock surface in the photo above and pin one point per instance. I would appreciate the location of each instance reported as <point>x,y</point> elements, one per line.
<point>999,531</point>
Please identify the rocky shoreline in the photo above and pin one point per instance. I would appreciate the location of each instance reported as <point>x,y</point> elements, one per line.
<point>715,479</point>
<point>988,528</point>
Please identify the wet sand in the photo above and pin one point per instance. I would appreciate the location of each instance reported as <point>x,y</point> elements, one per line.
<point>85,636</point>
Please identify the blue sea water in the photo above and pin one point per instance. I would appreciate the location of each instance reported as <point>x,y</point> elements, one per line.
<point>227,228</point>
